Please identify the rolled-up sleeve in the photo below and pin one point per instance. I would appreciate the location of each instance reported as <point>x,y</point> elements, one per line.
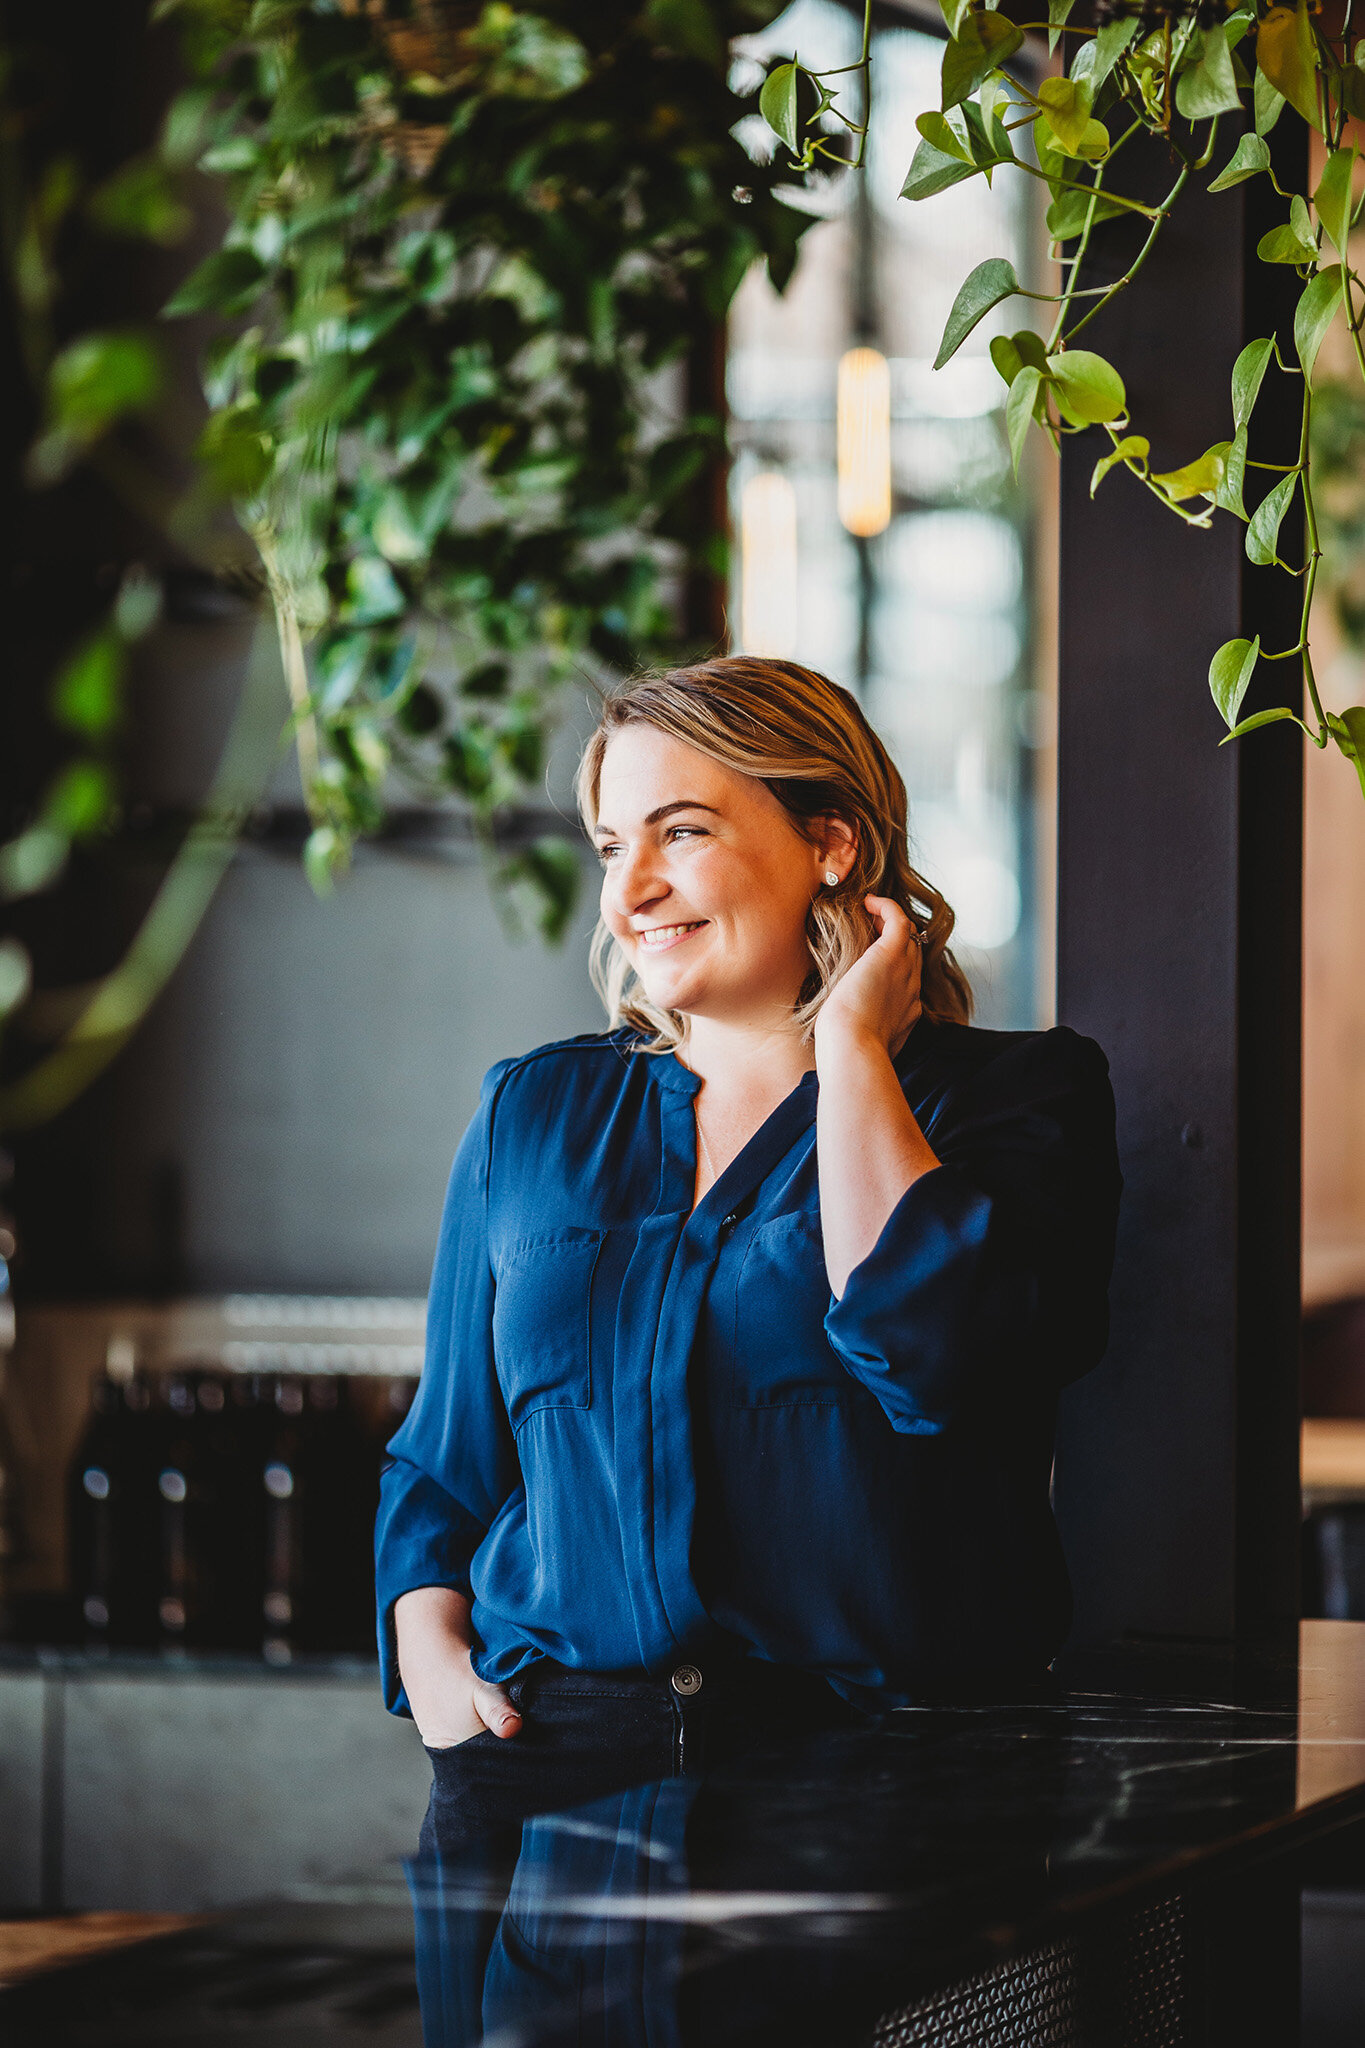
<point>990,1277</point>
<point>453,1464</point>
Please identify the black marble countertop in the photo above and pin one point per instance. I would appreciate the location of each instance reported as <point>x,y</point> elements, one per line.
<point>824,1890</point>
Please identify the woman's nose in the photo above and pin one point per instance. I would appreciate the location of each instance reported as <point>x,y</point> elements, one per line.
<point>636,879</point>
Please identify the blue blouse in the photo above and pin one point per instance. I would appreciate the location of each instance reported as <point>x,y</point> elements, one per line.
<point>646,1432</point>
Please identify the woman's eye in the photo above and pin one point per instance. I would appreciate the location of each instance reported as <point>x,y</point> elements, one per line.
<point>687,831</point>
<point>604,853</point>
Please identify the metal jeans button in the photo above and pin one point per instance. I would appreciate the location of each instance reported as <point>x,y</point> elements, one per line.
<point>686,1680</point>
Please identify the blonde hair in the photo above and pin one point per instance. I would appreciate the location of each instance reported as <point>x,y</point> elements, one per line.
<point>807,741</point>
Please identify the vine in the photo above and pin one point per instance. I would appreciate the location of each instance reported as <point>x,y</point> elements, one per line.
<point>1177,73</point>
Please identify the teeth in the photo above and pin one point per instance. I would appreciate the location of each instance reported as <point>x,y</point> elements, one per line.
<point>661,935</point>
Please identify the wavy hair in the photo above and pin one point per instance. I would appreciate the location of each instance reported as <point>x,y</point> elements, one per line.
<point>807,741</point>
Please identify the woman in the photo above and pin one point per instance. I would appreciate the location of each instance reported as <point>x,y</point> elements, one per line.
<point>748,1316</point>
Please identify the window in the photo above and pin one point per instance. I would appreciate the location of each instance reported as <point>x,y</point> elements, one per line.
<point>879,534</point>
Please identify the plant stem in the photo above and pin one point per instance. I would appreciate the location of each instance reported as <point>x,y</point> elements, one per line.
<point>121,999</point>
<point>295,667</point>
<point>1348,277</point>
<point>1313,558</point>
<point>1162,215</point>
<point>1074,185</point>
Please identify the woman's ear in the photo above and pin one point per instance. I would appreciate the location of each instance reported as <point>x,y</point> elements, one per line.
<point>836,838</point>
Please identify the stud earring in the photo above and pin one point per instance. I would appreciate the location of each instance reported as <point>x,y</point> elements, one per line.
<point>831,879</point>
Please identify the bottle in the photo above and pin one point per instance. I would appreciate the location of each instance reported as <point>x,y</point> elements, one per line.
<point>340,1495</point>
<point>280,1480</point>
<point>113,1522</point>
<point>179,1485</point>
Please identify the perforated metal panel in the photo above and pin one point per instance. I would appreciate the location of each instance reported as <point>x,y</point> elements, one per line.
<point>1123,1987</point>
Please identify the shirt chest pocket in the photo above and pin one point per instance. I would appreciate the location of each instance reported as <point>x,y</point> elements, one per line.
<point>541,1309</point>
<point>782,1358</point>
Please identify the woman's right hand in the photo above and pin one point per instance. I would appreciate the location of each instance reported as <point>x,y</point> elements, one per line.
<point>450,1703</point>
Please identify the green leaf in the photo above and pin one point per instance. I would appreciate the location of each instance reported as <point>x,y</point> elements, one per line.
<point>1006,357</point>
<point>1228,496</point>
<point>1287,54</point>
<point>1251,155</point>
<point>984,42</point>
<point>1302,243</point>
<point>140,200</point>
<point>1057,13</point>
<point>325,856</point>
<point>1209,88</point>
<point>988,284</point>
<point>939,132</point>
<point>138,604</point>
<point>394,531</point>
<point>955,12</point>
<point>1263,534</point>
<point>1230,673</point>
<point>1132,448</point>
<point>1069,212</point>
<point>227,282</point>
<point>31,861</point>
<point>777,104</point>
<point>1260,718</point>
<point>553,867</point>
<point>1109,45</point>
<point>87,695</point>
<point>1198,479</point>
<point>1066,104</point>
<point>1348,730</point>
<point>1333,196</point>
<point>235,452</point>
<point>1010,352</point>
<point>987,148</point>
<point>374,593</point>
<point>688,27</point>
<point>96,379</point>
<point>1314,314</point>
<point>16,975</point>
<point>933,171</point>
<point>1247,372</point>
<point>81,799</point>
<point>1019,410</point>
<point>1088,388</point>
<point>1239,24</point>
<point>1268,104</point>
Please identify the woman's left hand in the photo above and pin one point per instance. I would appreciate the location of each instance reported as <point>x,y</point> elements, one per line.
<point>879,997</point>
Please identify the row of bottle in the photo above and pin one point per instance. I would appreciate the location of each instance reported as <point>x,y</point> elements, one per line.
<point>228,1512</point>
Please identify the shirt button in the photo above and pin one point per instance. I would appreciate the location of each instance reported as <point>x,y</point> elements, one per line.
<point>686,1680</point>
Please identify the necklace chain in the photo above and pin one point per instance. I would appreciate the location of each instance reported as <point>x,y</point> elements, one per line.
<point>705,1148</point>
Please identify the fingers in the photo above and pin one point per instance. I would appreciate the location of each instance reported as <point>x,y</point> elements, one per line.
<point>495,1710</point>
<point>891,921</point>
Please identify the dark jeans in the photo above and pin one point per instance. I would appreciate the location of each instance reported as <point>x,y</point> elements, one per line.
<point>585,1733</point>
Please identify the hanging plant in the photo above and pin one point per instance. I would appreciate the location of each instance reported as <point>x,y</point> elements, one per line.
<point>1185,74</point>
<point>463,241</point>
<point>463,250</point>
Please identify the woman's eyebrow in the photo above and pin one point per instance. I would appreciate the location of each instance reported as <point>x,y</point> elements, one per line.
<point>684,803</point>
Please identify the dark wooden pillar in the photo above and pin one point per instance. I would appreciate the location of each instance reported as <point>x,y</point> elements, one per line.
<point>1179,950</point>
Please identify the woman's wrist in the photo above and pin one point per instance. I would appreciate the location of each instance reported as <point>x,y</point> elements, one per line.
<point>847,1042</point>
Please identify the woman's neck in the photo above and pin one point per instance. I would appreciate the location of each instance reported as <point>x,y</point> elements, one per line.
<point>758,1062</point>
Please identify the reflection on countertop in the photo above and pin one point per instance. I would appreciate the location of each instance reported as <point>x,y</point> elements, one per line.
<point>879,1884</point>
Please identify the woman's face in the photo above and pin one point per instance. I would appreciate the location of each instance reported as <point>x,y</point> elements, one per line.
<point>706,880</point>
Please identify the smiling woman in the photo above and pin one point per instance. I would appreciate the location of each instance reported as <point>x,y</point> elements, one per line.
<point>749,1315</point>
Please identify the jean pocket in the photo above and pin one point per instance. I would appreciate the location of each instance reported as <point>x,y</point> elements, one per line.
<point>449,1749</point>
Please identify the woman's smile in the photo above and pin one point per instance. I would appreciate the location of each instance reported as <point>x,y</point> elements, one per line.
<point>660,937</point>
